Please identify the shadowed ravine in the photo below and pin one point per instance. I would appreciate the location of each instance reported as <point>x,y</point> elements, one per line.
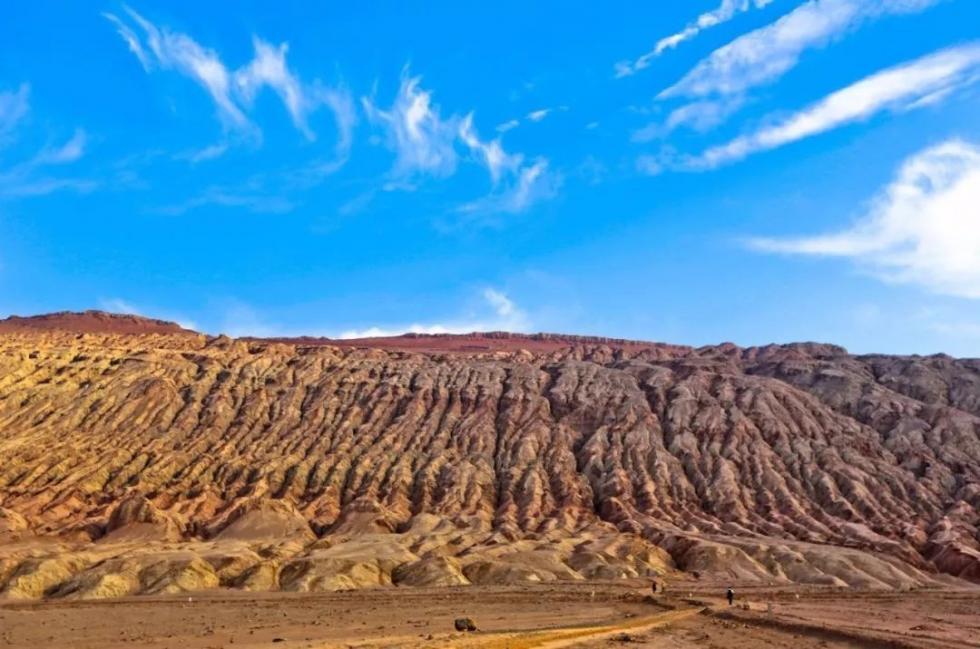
<point>140,458</point>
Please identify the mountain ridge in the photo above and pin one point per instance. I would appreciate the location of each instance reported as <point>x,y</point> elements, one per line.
<point>264,464</point>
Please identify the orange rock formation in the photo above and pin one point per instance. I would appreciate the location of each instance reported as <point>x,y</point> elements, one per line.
<point>138,457</point>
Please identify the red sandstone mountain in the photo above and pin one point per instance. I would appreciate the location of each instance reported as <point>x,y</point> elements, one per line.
<point>139,458</point>
<point>91,322</point>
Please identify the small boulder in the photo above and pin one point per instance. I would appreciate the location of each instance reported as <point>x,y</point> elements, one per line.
<point>464,624</point>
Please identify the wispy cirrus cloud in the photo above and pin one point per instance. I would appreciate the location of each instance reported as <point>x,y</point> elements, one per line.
<point>252,197</point>
<point>534,116</point>
<point>268,69</point>
<point>427,143</point>
<point>210,152</point>
<point>726,11</point>
<point>32,176</point>
<point>540,114</point>
<point>767,53</point>
<point>699,116</point>
<point>14,106</point>
<point>922,229</point>
<point>533,183</point>
<point>65,153</point>
<point>908,86</point>
<point>168,50</point>
<point>423,141</point>
<point>720,84</point>
<point>497,161</point>
<point>233,92</point>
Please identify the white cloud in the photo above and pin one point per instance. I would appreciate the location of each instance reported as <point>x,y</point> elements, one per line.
<point>341,103</point>
<point>421,138</point>
<point>254,199</point>
<point>18,186</point>
<point>491,153</point>
<point>25,178</point>
<point>763,55</point>
<point>68,152</point>
<point>210,152</point>
<point>502,304</point>
<point>722,14</point>
<point>14,107</point>
<point>176,51</point>
<point>425,143</point>
<point>538,115</point>
<point>903,87</point>
<point>234,91</point>
<point>698,115</point>
<point>131,39</point>
<point>268,68</point>
<point>503,315</point>
<point>650,165</point>
<point>533,116</point>
<point>922,229</point>
<point>532,184</point>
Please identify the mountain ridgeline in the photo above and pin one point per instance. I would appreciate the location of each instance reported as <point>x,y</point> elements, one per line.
<point>139,457</point>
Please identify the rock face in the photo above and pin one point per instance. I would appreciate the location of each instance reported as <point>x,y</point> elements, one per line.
<point>310,464</point>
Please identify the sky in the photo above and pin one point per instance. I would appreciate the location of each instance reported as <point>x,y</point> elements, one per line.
<point>697,172</point>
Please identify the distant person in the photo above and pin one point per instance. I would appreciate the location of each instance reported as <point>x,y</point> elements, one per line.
<point>730,595</point>
<point>653,586</point>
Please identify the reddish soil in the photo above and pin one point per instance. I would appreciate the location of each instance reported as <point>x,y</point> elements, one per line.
<point>92,322</point>
<point>494,341</point>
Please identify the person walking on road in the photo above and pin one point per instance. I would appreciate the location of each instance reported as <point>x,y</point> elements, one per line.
<point>730,594</point>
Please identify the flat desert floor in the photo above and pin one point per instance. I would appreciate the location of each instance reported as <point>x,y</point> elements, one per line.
<point>562,614</point>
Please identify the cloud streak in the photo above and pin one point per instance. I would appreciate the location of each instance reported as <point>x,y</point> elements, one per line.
<point>423,141</point>
<point>269,69</point>
<point>534,116</point>
<point>68,152</point>
<point>176,51</point>
<point>922,229</point>
<point>919,83</point>
<point>14,106</point>
<point>767,53</point>
<point>427,143</point>
<point>726,11</point>
<point>233,92</point>
<point>28,177</point>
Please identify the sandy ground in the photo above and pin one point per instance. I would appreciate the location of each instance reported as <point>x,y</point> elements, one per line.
<point>589,615</point>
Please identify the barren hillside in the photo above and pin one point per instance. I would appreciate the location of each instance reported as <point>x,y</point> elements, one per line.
<point>138,457</point>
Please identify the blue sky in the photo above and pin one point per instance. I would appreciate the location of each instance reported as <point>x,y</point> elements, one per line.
<point>746,170</point>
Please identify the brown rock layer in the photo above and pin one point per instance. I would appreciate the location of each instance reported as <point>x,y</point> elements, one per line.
<point>475,459</point>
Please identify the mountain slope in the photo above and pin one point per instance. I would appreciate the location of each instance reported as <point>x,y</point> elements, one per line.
<point>315,464</point>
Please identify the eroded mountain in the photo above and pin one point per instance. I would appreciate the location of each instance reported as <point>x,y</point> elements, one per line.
<point>138,457</point>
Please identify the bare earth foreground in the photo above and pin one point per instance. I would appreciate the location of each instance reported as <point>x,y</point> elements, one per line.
<point>586,615</point>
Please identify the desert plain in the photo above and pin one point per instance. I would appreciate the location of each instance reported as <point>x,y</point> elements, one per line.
<point>568,614</point>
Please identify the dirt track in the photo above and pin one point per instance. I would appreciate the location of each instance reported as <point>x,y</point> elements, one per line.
<point>544,617</point>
